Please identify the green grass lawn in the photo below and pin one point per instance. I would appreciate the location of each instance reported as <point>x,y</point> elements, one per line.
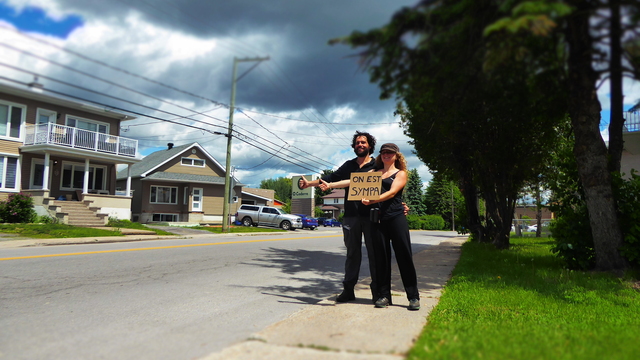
<point>49,231</point>
<point>521,304</point>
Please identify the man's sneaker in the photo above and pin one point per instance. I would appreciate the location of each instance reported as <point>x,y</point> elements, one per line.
<point>383,302</point>
<point>414,304</point>
<point>346,296</point>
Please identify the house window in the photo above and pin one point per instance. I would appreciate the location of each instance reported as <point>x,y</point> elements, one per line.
<point>164,195</point>
<point>165,217</point>
<point>89,125</point>
<point>11,118</point>
<point>193,162</point>
<point>73,177</point>
<point>37,174</point>
<point>45,116</point>
<point>8,172</point>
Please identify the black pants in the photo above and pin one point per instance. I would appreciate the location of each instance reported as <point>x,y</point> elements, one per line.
<point>395,232</point>
<point>353,228</point>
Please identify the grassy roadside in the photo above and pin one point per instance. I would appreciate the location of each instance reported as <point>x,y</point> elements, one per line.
<point>521,304</point>
<point>50,231</point>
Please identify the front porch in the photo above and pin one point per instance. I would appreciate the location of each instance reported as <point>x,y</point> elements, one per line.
<point>89,210</point>
<point>69,163</point>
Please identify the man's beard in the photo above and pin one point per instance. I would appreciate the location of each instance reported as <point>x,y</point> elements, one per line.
<point>362,153</point>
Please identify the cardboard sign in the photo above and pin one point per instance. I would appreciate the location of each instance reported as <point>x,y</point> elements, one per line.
<point>365,185</point>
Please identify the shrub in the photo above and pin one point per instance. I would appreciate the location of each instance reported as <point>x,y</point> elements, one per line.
<point>46,219</point>
<point>573,241</point>
<point>425,222</point>
<point>628,202</point>
<point>18,208</point>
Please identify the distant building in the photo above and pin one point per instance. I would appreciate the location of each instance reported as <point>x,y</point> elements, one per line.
<point>333,204</point>
<point>631,136</point>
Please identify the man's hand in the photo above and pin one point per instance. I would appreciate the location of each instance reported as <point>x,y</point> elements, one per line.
<point>303,182</point>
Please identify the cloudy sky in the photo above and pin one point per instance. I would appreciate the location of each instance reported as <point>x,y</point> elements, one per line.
<point>173,60</point>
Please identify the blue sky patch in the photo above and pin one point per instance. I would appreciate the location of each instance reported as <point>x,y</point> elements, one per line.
<point>34,19</point>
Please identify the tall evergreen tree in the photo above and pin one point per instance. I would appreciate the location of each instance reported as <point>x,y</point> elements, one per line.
<point>412,194</point>
<point>444,198</point>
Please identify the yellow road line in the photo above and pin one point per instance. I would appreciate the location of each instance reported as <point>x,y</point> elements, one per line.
<point>161,247</point>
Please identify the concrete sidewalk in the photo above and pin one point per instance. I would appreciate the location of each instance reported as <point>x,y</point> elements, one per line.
<point>355,330</point>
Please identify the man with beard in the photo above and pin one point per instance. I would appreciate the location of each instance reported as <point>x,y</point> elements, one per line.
<point>355,222</point>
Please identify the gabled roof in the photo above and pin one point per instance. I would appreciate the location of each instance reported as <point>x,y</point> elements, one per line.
<point>191,178</point>
<point>337,193</point>
<point>153,161</point>
<point>256,196</point>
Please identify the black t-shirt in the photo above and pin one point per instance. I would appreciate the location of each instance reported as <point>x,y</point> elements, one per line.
<point>351,208</point>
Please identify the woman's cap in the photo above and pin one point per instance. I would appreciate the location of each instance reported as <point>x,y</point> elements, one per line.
<point>389,147</point>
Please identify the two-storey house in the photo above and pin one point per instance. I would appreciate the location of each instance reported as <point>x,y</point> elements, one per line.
<point>64,154</point>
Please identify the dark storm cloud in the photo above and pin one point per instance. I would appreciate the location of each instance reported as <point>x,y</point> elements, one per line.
<point>295,36</point>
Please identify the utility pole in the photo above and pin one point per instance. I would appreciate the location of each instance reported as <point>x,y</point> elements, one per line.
<point>227,177</point>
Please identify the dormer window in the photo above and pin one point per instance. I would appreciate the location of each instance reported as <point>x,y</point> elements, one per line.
<point>192,162</point>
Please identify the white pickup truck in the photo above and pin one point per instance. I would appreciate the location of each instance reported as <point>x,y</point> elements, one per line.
<point>267,216</point>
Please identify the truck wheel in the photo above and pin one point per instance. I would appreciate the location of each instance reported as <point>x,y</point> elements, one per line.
<point>247,221</point>
<point>285,225</point>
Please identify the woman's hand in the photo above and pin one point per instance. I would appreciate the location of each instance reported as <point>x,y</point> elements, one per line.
<point>367,201</point>
<point>323,185</point>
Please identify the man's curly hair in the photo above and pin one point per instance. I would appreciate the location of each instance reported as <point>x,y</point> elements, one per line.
<point>370,139</point>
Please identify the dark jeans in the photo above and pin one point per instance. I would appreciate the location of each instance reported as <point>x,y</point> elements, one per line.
<point>353,228</point>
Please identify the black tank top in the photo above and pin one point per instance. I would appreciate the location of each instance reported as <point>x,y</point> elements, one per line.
<point>392,207</point>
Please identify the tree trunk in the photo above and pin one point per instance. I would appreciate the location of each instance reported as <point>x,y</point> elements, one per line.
<point>589,149</point>
<point>616,122</point>
<point>470,193</point>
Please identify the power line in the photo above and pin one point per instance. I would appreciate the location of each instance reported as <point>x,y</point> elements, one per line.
<point>237,135</point>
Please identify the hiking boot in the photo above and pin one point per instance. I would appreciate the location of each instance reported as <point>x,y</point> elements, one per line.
<point>347,295</point>
<point>383,302</point>
<point>414,304</point>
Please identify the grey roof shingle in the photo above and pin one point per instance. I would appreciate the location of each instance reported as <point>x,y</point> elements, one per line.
<point>152,160</point>
<point>186,178</point>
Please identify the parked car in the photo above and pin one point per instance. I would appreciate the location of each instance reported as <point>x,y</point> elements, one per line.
<point>267,216</point>
<point>308,222</point>
<point>331,222</point>
<point>532,228</point>
<point>321,220</point>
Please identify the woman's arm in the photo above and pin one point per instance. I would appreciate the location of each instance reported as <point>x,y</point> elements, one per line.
<point>334,185</point>
<point>398,183</point>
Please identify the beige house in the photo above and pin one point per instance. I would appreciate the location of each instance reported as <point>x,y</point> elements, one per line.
<point>179,184</point>
<point>631,136</point>
<point>64,154</point>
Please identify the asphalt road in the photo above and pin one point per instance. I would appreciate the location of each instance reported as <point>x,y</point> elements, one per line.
<point>168,299</point>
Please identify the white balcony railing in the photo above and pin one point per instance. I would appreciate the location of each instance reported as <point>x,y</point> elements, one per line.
<point>632,121</point>
<point>81,139</point>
